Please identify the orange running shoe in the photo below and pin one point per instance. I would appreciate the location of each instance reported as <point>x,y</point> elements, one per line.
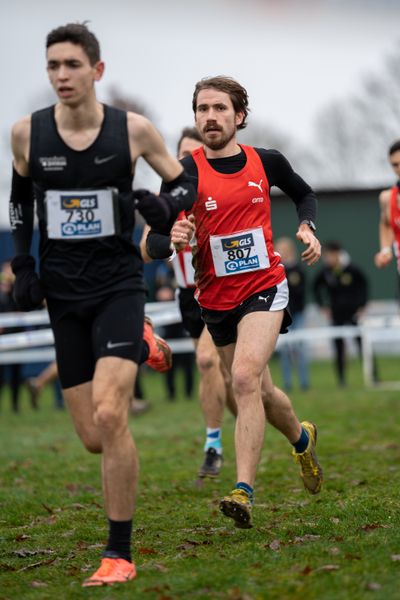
<point>112,570</point>
<point>160,354</point>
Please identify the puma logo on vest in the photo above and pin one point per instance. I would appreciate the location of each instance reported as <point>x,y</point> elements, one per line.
<point>257,185</point>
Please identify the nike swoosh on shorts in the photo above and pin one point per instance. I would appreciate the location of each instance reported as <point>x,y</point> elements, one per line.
<point>111,345</point>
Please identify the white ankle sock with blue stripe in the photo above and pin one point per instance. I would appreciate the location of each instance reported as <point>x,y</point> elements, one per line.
<point>214,439</point>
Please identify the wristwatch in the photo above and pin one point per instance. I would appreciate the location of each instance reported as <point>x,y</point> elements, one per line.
<point>309,223</point>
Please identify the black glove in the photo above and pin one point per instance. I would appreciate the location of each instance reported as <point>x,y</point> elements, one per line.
<point>27,291</point>
<point>159,212</point>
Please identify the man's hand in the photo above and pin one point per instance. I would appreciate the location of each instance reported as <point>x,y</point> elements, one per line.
<point>307,237</point>
<point>383,257</point>
<point>182,232</point>
<point>27,292</point>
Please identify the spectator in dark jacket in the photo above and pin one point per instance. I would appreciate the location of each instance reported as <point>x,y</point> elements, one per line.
<point>341,290</point>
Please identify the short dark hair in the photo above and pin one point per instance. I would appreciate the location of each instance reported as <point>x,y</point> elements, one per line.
<point>237,93</point>
<point>395,147</point>
<point>332,246</point>
<point>79,34</point>
<point>188,132</point>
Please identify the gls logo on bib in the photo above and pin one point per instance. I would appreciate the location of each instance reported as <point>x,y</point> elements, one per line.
<point>79,203</point>
<point>234,243</point>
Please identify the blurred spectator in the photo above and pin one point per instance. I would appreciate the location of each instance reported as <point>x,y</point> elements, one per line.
<point>36,384</point>
<point>294,354</point>
<point>182,360</point>
<point>7,304</point>
<point>341,290</point>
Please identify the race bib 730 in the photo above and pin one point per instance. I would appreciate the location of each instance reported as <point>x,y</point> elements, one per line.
<point>80,214</point>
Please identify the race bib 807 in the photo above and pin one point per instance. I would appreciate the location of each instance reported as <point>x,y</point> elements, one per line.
<point>240,252</point>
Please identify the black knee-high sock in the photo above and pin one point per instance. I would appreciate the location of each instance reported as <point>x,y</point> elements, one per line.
<point>119,540</point>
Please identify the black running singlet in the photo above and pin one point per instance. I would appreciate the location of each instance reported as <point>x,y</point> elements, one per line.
<point>84,268</point>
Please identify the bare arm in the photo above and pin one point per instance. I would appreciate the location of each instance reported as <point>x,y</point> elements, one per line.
<point>143,246</point>
<point>146,141</point>
<point>386,237</point>
<point>20,142</point>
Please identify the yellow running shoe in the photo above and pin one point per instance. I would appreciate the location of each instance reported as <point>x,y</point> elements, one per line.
<point>112,570</point>
<point>238,506</point>
<point>311,471</point>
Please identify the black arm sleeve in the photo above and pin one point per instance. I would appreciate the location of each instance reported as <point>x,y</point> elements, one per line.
<point>21,212</point>
<point>281,174</point>
<point>158,245</point>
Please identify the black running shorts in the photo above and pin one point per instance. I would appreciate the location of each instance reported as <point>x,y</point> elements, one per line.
<point>191,312</point>
<point>222,324</point>
<point>87,330</point>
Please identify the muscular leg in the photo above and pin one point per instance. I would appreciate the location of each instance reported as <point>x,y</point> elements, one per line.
<point>111,397</point>
<point>278,409</point>
<point>80,405</point>
<point>257,336</point>
<point>212,385</point>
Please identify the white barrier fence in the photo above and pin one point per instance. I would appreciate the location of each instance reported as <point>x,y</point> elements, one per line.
<point>37,345</point>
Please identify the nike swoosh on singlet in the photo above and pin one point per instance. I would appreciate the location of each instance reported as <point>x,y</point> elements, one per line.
<point>100,161</point>
<point>111,345</point>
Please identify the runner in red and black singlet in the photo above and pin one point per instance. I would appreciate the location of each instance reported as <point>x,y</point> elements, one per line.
<point>395,221</point>
<point>241,285</point>
<point>389,224</point>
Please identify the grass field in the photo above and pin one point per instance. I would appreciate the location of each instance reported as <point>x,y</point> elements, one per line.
<point>343,544</point>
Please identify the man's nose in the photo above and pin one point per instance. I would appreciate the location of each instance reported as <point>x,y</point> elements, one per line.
<point>63,72</point>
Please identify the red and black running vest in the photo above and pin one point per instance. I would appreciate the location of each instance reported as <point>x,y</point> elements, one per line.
<point>395,221</point>
<point>234,257</point>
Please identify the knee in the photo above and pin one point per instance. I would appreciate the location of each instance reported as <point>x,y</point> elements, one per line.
<point>206,361</point>
<point>110,414</point>
<point>244,381</point>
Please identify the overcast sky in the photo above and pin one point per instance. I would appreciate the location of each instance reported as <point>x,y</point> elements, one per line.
<point>293,56</point>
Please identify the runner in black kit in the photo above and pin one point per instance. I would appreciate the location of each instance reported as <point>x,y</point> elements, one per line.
<point>78,157</point>
<point>241,283</point>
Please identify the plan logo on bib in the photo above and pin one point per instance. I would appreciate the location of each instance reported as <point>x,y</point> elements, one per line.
<point>238,251</point>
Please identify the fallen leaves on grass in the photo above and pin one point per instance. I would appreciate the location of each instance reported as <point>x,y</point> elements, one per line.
<point>327,568</point>
<point>372,526</point>
<point>275,545</point>
<point>25,553</point>
<point>159,589</point>
<point>143,550</point>
<point>308,537</point>
<point>42,563</point>
<point>236,594</point>
<point>188,544</point>
<point>373,586</point>
<point>38,584</point>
